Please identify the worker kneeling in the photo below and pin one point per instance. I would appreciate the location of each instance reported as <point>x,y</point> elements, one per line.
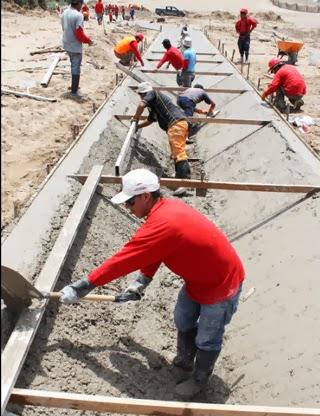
<point>172,120</point>
<point>127,50</point>
<point>192,247</point>
<point>287,82</point>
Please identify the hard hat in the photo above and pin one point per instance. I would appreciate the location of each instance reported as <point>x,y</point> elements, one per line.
<point>139,36</point>
<point>187,41</point>
<point>144,87</point>
<point>243,10</point>
<point>273,63</point>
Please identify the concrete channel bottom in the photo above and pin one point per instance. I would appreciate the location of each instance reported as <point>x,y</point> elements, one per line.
<point>125,350</point>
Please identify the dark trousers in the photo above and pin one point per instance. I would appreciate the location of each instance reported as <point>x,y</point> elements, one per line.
<point>244,45</point>
<point>280,103</point>
<point>187,105</point>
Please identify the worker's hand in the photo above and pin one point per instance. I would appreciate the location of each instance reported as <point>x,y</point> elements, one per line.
<point>72,293</point>
<point>156,70</point>
<point>138,284</point>
<point>263,96</point>
<point>142,63</point>
<point>91,43</point>
<point>126,297</point>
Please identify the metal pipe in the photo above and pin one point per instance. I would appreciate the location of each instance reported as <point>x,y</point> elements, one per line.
<point>232,57</point>
<point>219,43</point>
<point>248,70</point>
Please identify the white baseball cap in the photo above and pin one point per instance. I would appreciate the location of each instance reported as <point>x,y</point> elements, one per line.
<point>144,87</point>
<point>135,183</point>
<point>187,41</point>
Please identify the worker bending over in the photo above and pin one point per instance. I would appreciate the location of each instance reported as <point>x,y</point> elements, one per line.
<point>73,38</point>
<point>193,248</point>
<point>173,56</point>
<point>189,99</point>
<point>244,27</point>
<point>86,12</point>
<point>287,82</point>
<point>172,120</point>
<point>187,74</point>
<point>127,49</point>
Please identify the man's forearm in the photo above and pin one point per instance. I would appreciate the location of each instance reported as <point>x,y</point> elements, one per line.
<point>139,110</point>
<point>144,124</point>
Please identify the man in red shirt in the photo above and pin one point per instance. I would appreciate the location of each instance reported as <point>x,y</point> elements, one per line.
<point>287,82</point>
<point>99,9</point>
<point>193,248</point>
<point>173,56</point>
<point>244,27</point>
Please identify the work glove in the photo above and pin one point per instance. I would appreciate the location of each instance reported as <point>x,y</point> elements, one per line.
<point>72,293</point>
<point>135,290</point>
<point>263,96</point>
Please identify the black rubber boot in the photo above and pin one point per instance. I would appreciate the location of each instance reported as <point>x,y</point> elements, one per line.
<point>205,361</point>
<point>75,80</point>
<point>182,169</point>
<point>186,350</point>
<point>182,172</point>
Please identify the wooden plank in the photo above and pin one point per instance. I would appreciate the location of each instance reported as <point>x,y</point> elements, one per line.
<point>206,120</point>
<point>24,94</point>
<point>16,349</point>
<point>125,147</point>
<point>231,186</point>
<point>163,71</point>
<point>199,61</point>
<point>47,50</point>
<point>198,53</point>
<point>46,79</point>
<point>99,403</point>
<point>209,90</point>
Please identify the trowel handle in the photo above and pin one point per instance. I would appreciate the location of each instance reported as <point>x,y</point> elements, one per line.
<point>94,298</point>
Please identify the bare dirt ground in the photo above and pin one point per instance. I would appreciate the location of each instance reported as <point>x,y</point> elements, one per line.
<point>36,134</point>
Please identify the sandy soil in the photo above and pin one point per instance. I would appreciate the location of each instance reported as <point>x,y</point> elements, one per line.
<point>35,134</point>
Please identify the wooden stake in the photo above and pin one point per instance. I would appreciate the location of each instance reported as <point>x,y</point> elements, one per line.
<point>147,407</point>
<point>209,120</point>
<point>219,43</point>
<point>46,79</point>
<point>248,70</point>
<point>24,94</point>
<point>230,186</point>
<point>232,57</point>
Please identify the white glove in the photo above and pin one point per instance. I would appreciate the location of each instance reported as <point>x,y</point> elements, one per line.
<point>69,295</point>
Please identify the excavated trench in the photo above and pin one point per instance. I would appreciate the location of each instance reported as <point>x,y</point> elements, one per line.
<point>126,350</point>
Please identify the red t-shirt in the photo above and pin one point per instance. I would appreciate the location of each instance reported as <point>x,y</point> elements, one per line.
<point>290,79</point>
<point>245,25</point>
<point>99,8</point>
<point>174,56</point>
<point>188,243</point>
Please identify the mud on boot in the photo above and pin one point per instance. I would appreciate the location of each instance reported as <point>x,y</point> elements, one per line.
<point>205,361</point>
<point>183,362</point>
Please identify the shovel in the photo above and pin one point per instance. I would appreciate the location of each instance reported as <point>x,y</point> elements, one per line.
<point>18,292</point>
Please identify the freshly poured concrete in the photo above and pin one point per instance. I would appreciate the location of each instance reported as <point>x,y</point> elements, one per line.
<point>272,346</point>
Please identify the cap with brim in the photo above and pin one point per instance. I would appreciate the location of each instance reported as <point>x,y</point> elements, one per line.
<point>135,183</point>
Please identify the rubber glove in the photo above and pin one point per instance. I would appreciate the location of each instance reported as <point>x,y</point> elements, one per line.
<point>135,290</point>
<point>72,293</point>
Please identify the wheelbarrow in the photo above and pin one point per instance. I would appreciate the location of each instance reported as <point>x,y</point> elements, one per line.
<point>289,49</point>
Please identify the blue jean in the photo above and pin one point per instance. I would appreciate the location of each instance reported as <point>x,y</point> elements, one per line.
<point>185,78</point>
<point>244,44</point>
<point>75,59</point>
<point>210,320</point>
<point>187,105</point>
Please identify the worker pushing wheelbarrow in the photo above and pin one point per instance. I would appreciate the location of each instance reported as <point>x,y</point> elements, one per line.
<point>289,49</point>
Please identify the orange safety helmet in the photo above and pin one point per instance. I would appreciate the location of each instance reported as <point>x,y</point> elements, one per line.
<point>243,10</point>
<point>273,63</point>
<point>139,36</point>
